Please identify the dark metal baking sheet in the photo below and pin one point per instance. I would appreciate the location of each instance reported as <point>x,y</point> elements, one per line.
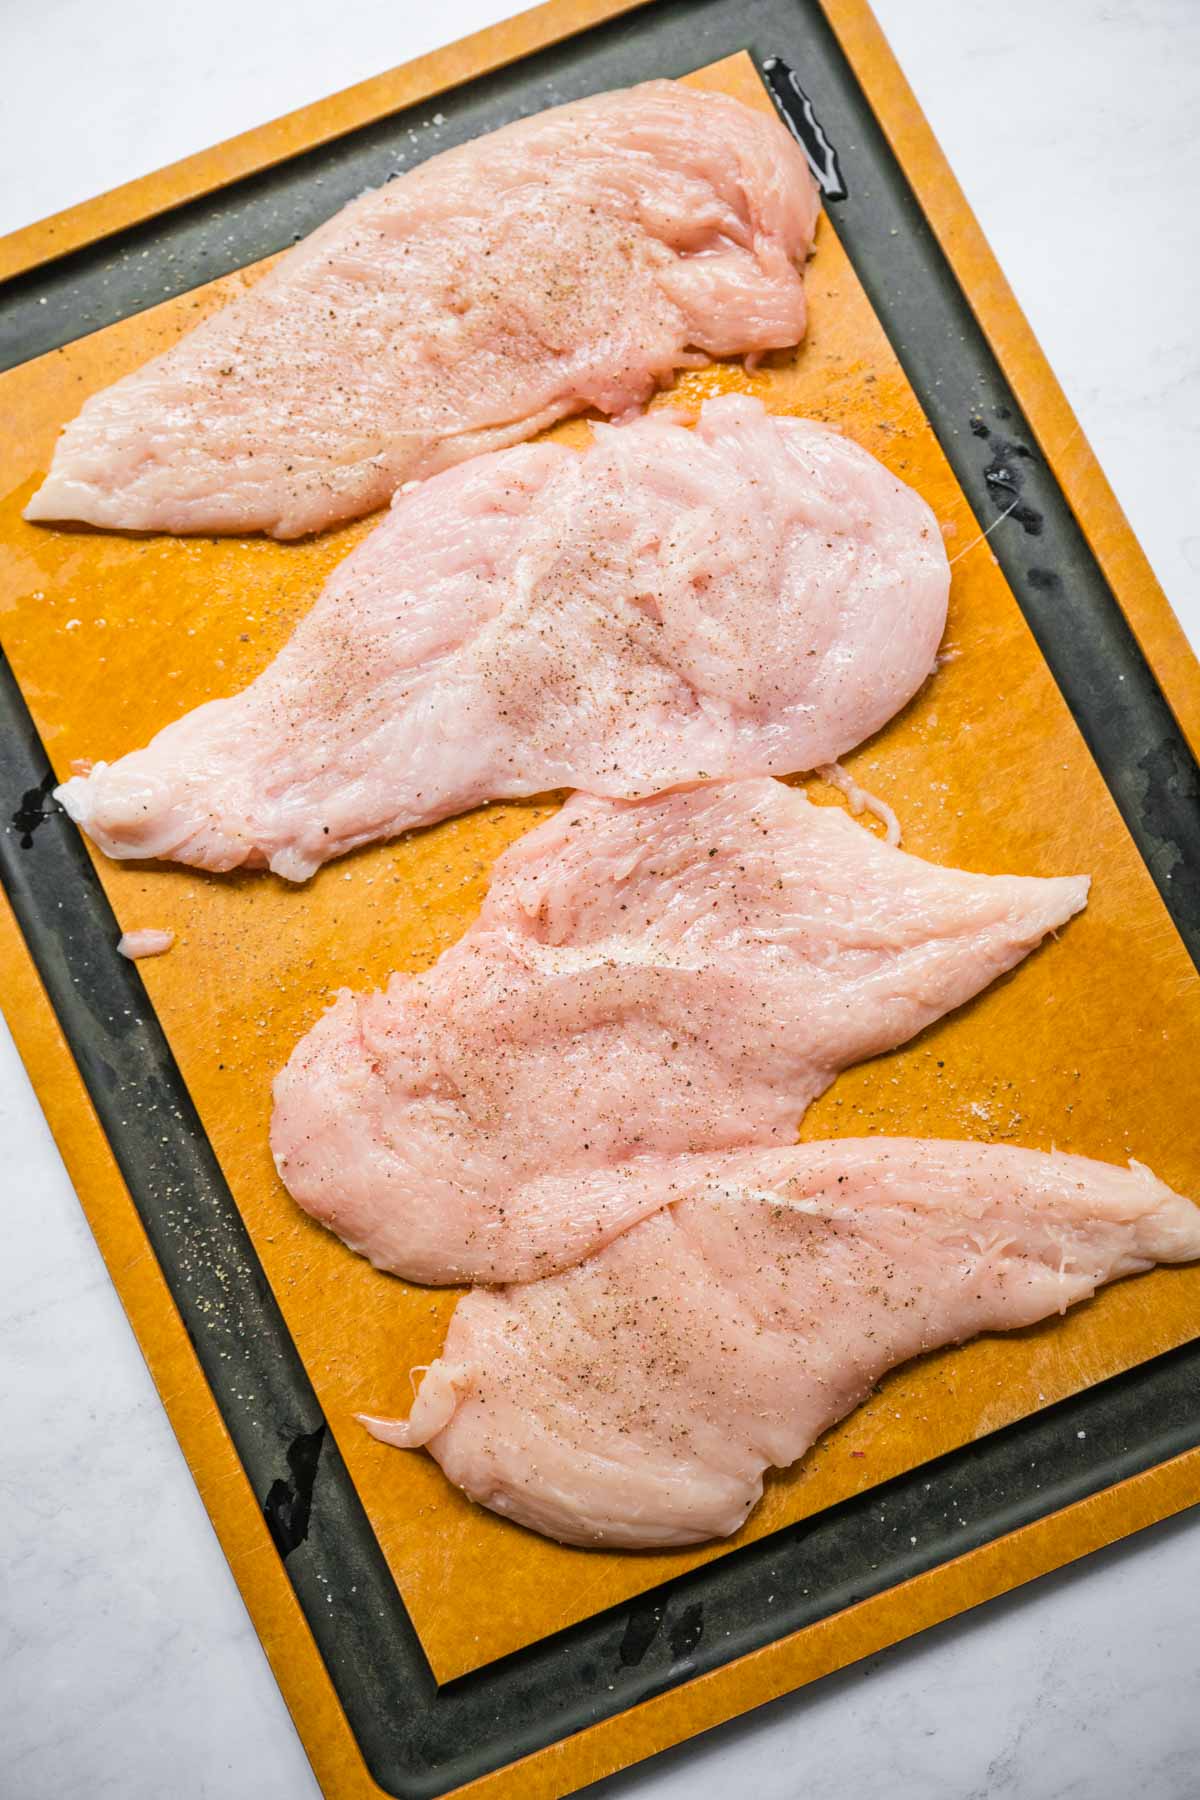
<point>419,1739</point>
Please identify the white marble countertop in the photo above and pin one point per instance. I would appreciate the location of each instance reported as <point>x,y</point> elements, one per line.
<point>128,1666</point>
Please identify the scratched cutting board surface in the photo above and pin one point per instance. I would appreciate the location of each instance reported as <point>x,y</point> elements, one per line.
<point>1089,1047</point>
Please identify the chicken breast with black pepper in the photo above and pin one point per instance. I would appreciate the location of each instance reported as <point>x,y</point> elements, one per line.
<point>639,1400</point>
<point>571,260</point>
<point>646,982</point>
<point>754,596</point>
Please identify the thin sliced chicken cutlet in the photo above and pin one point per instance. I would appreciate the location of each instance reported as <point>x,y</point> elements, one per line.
<point>571,260</point>
<point>646,982</point>
<point>638,1400</point>
<point>753,596</point>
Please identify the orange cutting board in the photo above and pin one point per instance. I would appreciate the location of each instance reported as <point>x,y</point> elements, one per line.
<point>1091,1046</point>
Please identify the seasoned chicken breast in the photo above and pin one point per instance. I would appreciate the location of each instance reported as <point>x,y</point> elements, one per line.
<point>752,596</point>
<point>637,1400</point>
<point>570,260</point>
<point>645,982</point>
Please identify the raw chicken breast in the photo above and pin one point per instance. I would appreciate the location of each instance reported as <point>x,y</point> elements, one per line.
<point>571,260</point>
<point>637,1400</point>
<point>671,605</point>
<point>645,982</point>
